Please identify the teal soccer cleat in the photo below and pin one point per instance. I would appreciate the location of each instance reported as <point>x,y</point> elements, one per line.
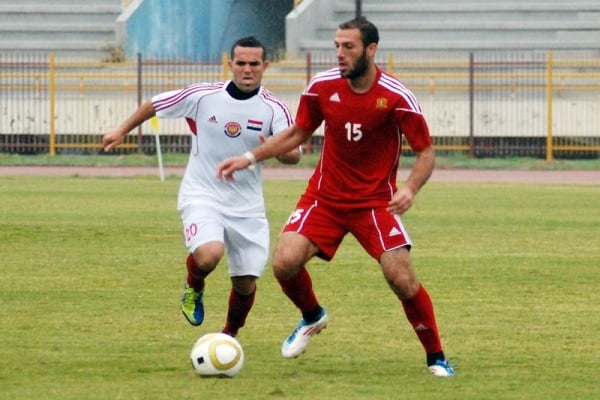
<point>192,306</point>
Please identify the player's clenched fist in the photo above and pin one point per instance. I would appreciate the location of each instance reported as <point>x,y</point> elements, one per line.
<point>112,138</point>
<point>401,201</point>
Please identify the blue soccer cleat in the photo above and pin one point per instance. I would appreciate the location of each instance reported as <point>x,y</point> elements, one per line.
<point>192,306</point>
<point>441,368</point>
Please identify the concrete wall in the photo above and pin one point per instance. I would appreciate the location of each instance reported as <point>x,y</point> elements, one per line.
<point>304,21</point>
<point>199,29</point>
<point>447,115</point>
<point>452,25</point>
<point>69,28</point>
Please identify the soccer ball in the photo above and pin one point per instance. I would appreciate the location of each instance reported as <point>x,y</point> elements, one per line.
<point>217,354</point>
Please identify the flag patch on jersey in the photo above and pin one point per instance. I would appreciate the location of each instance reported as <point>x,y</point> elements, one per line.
<point>254,125</point>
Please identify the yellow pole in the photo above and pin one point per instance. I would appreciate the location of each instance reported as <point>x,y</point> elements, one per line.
<point>549,97</point>
<point>390,63</point>
<point>51,94</point>
<point>224,60</point>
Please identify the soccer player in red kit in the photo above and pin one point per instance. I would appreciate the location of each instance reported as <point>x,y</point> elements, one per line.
<point>353,188</point>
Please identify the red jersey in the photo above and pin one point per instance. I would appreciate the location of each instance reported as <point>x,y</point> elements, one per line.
<point>363,137</point>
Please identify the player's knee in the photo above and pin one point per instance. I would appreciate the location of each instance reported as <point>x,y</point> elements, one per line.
<point>404,286</point>
<point>208,256</point>
<point>292,252</point>
<point>244,285</point>
<point>282,268</point>
<point>286,265</point>
<point>398,272</point>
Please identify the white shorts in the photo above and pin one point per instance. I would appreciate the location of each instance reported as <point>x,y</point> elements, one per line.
<point>246,239</point>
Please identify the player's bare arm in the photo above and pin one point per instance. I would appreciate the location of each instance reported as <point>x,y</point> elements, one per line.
<point>287,141</point>
<point>402,200</point>
<point>291,157</point>
<point>114,136</point>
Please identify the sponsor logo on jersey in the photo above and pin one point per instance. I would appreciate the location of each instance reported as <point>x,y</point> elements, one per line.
<point>254,125</point>
<point>335,98</point>
<point>233,129</point>
<point>381,103</point>
<point>213,119</point>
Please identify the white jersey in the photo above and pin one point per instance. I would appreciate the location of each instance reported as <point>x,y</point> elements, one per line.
<point>222,127</point>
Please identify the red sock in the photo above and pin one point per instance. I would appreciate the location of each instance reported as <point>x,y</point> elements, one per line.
<point>195,277</point>
<point>300,291</point>
<point>420,314</point>
<point>239,307</point>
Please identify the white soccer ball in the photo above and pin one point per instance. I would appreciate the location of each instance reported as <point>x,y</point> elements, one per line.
<point>217,354</point>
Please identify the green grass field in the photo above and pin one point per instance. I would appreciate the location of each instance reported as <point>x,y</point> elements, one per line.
<point>93,270</point>
<point>308,160</point>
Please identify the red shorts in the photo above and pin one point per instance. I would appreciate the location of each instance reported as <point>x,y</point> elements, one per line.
<point>376,229</point>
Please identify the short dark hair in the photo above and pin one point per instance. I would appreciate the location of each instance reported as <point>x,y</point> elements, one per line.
<point>249,41</point>
<point>368,30</point>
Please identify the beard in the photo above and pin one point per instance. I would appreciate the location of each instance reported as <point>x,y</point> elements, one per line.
<point>358,69</point>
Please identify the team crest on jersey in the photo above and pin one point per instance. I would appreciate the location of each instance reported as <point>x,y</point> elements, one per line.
<point>381,103</point>
<point>233,129</point>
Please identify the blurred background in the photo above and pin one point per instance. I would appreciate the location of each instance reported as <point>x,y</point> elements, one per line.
<point>494,78</point>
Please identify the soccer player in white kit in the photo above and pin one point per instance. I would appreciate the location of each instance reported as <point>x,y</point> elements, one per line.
<point>225,119</point>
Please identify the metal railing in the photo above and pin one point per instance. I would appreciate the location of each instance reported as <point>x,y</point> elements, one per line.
<point>541,104</point>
